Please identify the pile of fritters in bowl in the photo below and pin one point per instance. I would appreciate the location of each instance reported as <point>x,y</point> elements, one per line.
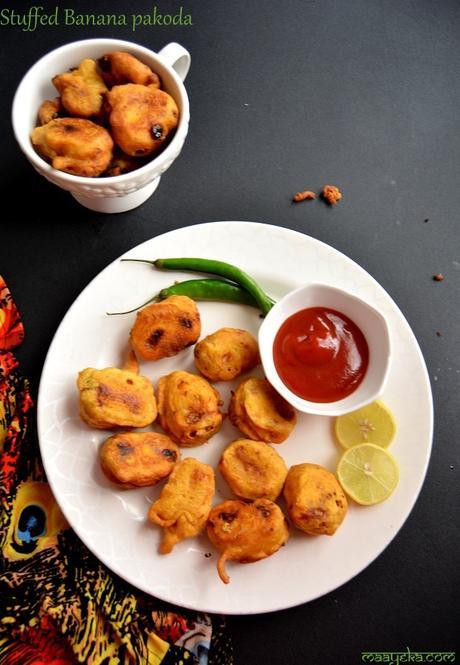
<point>111,117</point>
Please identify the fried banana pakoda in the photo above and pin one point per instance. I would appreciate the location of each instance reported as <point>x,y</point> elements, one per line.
<point>226,354</point>
<point>122,163</point>
<point>188,408</point>
<point>50,109</point>
<point>112,397</point>
<point>253,469</point>
<point>74,145</point>
<point>260,412</point>
<point>82,90</point>
<point>165,328</point>
<point>141,118</point>
<point>138,459</point>
<point>246,532</point>
<point>120,67</point>
<point>184,503</point>
<point>122,99</point>
<point>315,500</point>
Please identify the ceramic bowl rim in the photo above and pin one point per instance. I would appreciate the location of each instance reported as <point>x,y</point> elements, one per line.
<point>361,396</point>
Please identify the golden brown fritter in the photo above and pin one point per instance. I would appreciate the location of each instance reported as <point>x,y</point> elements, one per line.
<point>226,354</point>
<point>138,459</point>
<point>131,363</point>
<point>315,500</point>
<point>50,109</point>
<point>141,118</point>
<point>306,195</point>
<point>331,194</point>
<point>246,532</point>
<point>253,469</point>
<point>82,90</point>
<point>165,328</point>
<point>111,398</point>
<point>188,408</point>
<point>184,503</point>
<point>260,412</point>
<point>74,145</point>
<point>122,163</point>
<point>120,67</point>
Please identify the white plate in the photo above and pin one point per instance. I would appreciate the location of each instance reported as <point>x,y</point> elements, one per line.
<point>112,522</point>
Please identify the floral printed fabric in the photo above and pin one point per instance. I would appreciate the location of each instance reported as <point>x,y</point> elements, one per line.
<point>58,604</point>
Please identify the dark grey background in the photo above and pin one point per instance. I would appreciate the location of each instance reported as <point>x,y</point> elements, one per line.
<point>284,96</point>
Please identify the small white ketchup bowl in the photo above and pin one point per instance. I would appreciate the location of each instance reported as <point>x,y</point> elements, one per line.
<point>371,323</point>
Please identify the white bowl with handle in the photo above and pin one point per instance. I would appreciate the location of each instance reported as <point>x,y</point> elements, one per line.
<point>103,194</point>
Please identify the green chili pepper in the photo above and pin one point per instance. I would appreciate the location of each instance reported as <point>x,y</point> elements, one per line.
<point>209,289</point>
<point>226,270</point>
<point>201,289</point>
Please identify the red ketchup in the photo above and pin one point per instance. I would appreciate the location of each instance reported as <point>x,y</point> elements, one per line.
<point>320,354</point>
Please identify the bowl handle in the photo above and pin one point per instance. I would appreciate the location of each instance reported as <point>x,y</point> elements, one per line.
<point>177,57</point>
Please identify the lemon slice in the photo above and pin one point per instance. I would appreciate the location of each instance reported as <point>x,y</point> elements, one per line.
<point>368,473</point>
<point>373,423</point>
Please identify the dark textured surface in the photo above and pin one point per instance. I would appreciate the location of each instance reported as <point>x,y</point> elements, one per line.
<point>285,96</point>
